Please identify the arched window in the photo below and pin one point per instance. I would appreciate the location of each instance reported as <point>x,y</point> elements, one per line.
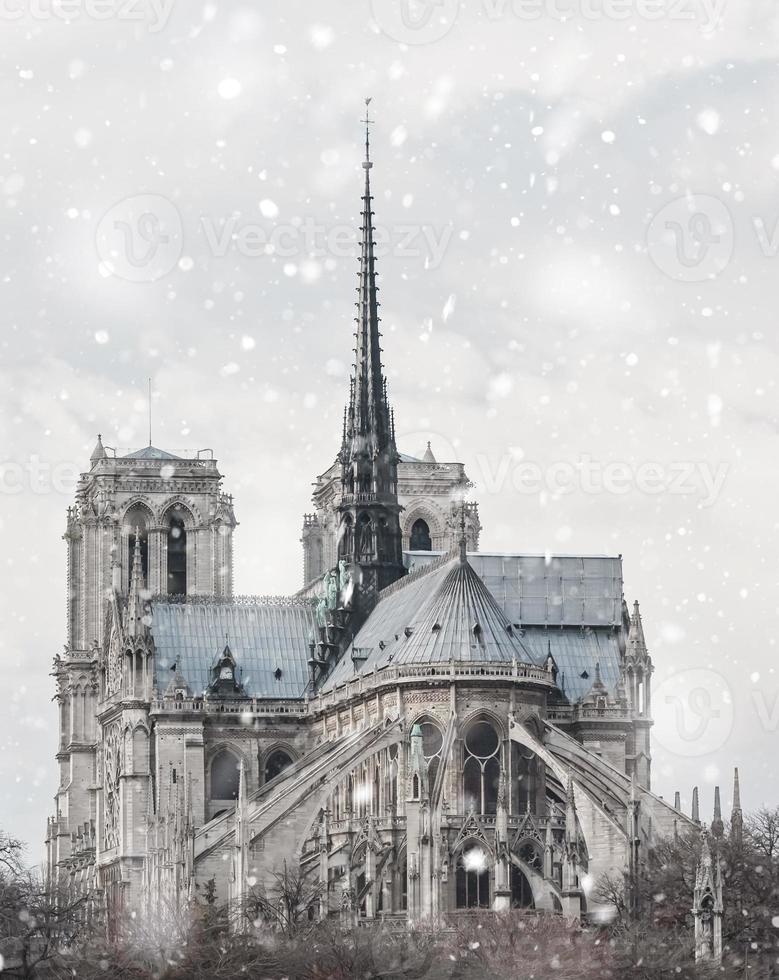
<point>346,536</point>
<point>432,740</point>
<point>473,877</point>
<point>420,536</point>
<point>521,892</point>
<point>364,536</point>
<point>225,776</point>
<point>481,770</point>
<point>525,767</point>
<point>177,556</point>
<point>276,763</point>
<point>137,518</point>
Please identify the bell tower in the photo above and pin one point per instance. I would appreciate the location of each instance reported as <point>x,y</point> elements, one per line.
<point>369,535</point>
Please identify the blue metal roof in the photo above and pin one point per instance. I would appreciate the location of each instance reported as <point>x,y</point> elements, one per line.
<point>576,652</point>
<point>427,596</point>
<point>556,590</point>
<point>263,636</point>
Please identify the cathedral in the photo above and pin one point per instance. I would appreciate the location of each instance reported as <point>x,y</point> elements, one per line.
<point>422,728</point>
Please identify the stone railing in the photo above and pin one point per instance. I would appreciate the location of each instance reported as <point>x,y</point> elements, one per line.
<point>181,464</point>
<point>405,674</point>
<point>282,706</point>
<point>578,712</point>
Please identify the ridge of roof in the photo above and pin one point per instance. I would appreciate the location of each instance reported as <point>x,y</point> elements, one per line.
<point>417,573</point>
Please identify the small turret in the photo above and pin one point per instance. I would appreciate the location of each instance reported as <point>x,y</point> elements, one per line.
<point>696,814</point>
<point>429,457</point>
<point>99,451</point>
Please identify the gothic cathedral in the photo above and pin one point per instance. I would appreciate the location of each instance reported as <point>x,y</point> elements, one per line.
<point>422,728</point>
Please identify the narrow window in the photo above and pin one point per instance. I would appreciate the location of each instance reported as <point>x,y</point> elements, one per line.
<point>177,557</point>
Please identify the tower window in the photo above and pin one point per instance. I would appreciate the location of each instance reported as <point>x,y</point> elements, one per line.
<point>420,536</point>
<point>177,557</point>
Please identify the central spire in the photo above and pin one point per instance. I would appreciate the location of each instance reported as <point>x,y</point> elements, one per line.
<point>369,533</point>
<point>368,427</point>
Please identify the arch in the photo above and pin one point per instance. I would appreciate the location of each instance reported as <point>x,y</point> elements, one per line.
<point>419,537</point>
<point>545,893</point>
<point>185,508</point>
<point>521,890</point>
<point>224,775</point>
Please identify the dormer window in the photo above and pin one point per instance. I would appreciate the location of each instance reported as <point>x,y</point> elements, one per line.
<point>225,676</point>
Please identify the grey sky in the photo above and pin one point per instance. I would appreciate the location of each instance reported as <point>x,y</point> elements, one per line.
<point>580,271</point>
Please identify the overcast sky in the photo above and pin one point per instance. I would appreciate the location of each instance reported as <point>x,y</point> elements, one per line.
<point>578,201</point>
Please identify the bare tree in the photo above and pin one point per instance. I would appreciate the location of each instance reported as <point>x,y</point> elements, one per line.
<point>288,903</point>
<point>36,924</point>
<point>762,832</point>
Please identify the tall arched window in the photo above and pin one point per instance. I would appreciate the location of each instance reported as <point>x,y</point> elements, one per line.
<point>225,776</point>
<point>521,892</point>
<point>420,536</point>
<point>276,763</point>
<point>473,877</point>
<point>481,772</point>
<point>432,740</point>
<point>177,556</point>
<point>364,536</point>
